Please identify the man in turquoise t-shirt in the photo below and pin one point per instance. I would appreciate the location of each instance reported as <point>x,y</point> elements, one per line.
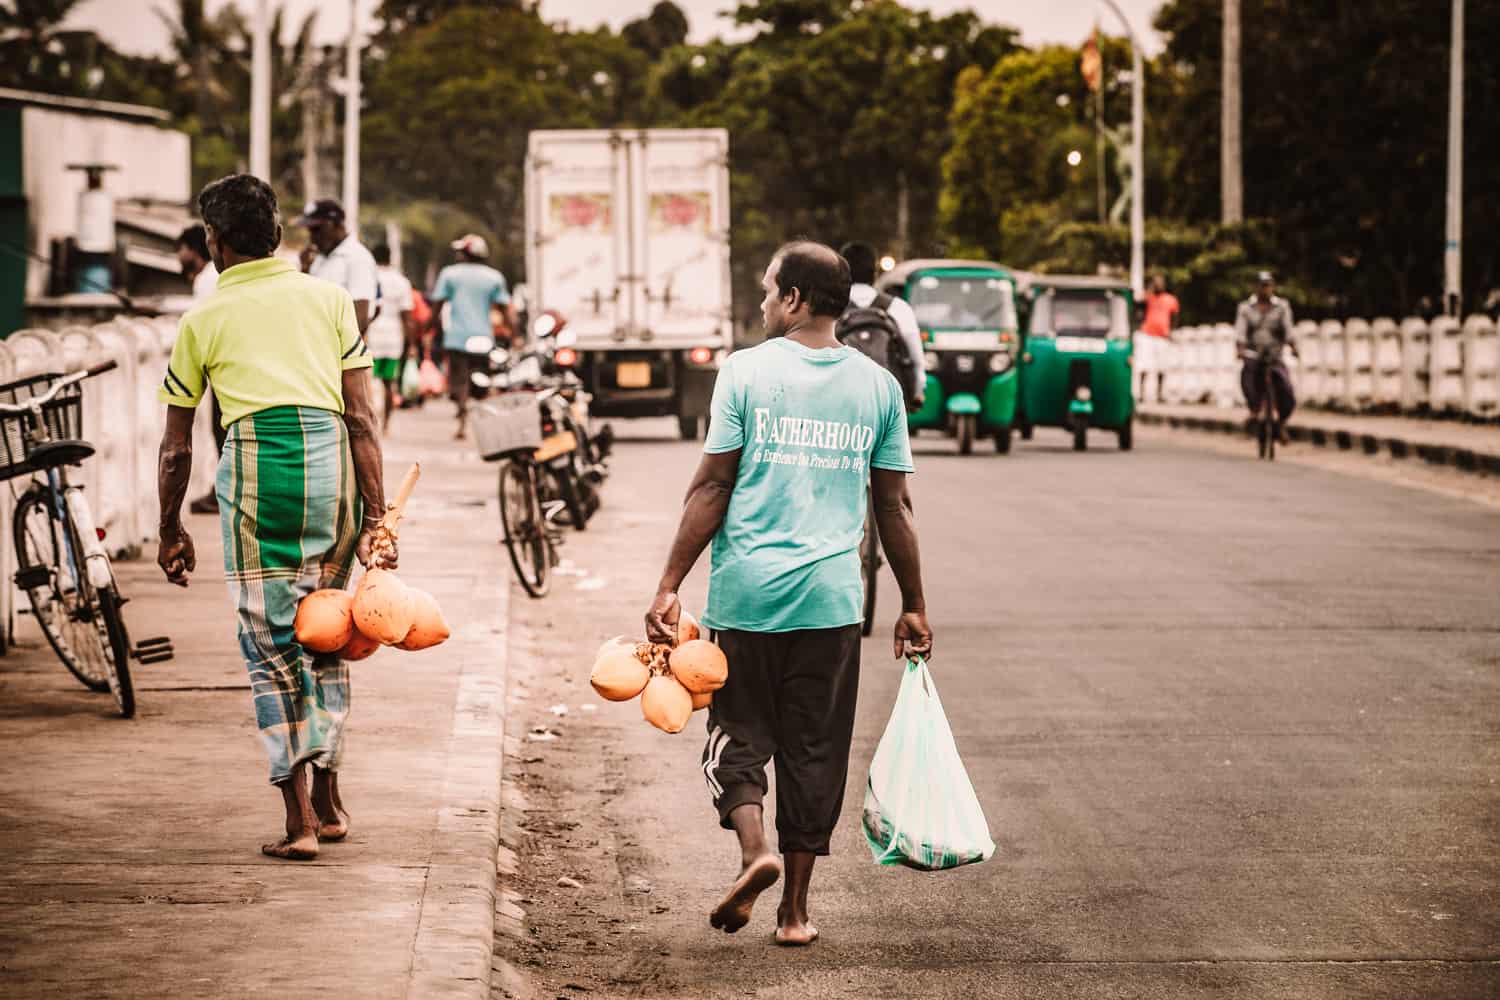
<point>469,286</point>
<point>802,429</point>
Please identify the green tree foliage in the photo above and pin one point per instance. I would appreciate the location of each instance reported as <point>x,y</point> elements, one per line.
<point>666,27</point>
<point>828,115</point>
<point>1345,132</point>
<point>450,107</point>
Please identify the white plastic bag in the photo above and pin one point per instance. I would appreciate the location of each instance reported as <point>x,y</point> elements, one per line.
<point>920,809</point>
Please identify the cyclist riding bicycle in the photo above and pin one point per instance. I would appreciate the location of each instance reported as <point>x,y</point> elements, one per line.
<point>1263,328</point>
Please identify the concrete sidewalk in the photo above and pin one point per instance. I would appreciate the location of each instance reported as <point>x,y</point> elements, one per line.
<point>129,851</point>
<point>1466,446</point>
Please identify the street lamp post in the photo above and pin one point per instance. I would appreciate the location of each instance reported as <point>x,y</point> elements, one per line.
<point>351,121</point>
<point>1137,157</point>
<point>260,93</point>
<point>1453,244</point>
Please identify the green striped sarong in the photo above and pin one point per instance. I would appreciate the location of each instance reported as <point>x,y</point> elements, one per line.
<point>289,511</point>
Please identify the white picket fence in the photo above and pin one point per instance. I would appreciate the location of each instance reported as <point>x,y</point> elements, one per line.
<point>1443,367</point>
<point>122,419</point>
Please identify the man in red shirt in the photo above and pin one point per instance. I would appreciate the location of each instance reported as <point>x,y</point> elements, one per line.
<point>1161,309</point>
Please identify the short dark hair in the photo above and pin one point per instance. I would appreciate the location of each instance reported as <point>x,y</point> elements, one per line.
<point>861,258</point>
<point>243,211</point>
<point>815,270</point>
<point>195,238</point>
<point>382,254</point>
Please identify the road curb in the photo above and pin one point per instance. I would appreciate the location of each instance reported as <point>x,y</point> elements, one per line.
<point>1462,459</point>
<point>453,948</point>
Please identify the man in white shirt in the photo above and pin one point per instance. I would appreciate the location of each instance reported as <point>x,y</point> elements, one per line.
<point>391,329</point>
<point>335,255</point>
<point>197,268</point>
<point>862,259</point>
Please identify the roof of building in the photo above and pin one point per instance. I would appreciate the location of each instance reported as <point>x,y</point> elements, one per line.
<point>80,105</point>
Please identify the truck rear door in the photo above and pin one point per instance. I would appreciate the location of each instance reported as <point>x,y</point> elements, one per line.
<point>576,197</point>
<point>680,236</point>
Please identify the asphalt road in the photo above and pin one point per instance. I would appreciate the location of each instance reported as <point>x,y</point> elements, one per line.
<point>1234,727</point>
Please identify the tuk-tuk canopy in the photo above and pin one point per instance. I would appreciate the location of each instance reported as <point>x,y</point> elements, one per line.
<point>955,295</point>
<point>1072,309</point>
<point>1029,283</point>
<point>899,275</point>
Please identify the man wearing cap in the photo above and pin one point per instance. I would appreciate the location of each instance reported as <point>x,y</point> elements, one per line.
<point>1263,327</point>
<point>469,287</point>
<point>340,257</point>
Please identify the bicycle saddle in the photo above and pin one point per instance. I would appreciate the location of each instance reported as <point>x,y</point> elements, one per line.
<point>50,454</point>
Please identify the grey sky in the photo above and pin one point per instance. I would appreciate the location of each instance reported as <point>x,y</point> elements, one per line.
<point>133,26</point>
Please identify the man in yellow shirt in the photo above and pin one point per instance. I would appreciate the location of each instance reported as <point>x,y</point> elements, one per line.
<point>301,463</point>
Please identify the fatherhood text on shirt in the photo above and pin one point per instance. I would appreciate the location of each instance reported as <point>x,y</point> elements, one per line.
<point>854,440</point>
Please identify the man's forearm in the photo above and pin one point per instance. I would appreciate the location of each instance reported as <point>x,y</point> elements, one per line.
<point>898,537</point>
<point>702,516</point>
<point>173,470</point>
<point>369,464</point>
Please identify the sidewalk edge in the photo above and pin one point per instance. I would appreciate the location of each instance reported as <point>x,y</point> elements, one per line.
<point>1462,459</point>
<point>454,943</point>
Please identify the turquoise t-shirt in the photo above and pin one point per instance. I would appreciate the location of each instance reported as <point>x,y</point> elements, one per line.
<point>809,424</point>
<point>470,289</point>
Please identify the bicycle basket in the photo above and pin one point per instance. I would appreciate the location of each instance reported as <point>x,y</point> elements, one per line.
<point>61,416</point>
<point>510,422</point>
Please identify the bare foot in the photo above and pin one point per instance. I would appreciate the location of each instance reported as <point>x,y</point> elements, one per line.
<point>303,847</point>
<point>795,933</point>
<point>733,911</point>
<point>333,818</point>
<point>334,830</point>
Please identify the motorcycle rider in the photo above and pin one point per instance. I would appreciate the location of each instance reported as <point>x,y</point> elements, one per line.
<point>1263,327</point>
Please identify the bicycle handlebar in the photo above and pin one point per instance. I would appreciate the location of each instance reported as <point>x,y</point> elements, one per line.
<point>36,402</point>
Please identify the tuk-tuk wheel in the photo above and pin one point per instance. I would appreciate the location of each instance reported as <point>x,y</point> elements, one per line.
<point>965,431</point>
<point>1127,435</point>
<point>1002,441</point>
<point>1026,430</point>
<point>1080,438</point>
<point>687,427</point>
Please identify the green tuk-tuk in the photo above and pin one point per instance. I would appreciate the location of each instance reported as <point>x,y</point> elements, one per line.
<point>1076,356</point>
<point>966,310</point>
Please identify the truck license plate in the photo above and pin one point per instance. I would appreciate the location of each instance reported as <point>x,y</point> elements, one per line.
<point>633,374</point>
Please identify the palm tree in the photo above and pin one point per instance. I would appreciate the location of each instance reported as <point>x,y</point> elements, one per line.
<point>38,53</point>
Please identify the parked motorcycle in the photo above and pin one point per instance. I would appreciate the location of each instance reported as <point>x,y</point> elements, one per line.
<point>573,453</point>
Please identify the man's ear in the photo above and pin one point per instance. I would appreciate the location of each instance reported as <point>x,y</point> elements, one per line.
<point>277,242</point>
<point>794,299</point>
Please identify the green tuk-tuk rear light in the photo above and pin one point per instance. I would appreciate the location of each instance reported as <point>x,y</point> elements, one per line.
<point>926,336</point>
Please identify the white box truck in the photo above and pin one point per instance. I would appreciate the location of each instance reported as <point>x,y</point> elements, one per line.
<point>627,236</point>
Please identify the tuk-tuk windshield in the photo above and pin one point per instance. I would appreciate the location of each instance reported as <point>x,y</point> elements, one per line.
<point>1100,313</point>
<point>963,303</point>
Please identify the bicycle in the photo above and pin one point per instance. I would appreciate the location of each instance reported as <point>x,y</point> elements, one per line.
<point>61,561</point>
<point>1266,429</point>
<point>509,430</point>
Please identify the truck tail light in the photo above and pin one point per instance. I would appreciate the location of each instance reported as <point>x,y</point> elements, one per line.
<point>566,357</point>
<point>700,356</point>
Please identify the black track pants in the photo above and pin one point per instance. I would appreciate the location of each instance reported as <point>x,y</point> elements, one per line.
<point>790,698</point>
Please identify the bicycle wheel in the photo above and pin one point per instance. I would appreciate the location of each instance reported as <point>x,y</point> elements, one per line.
<point>525,528</point>
<point>100,607</point>
<point>58,600</point>
<point>570,489</point>
<point>113,624</point>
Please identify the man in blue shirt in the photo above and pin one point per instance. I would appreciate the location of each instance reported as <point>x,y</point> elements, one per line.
<point>802,428</point>
<point>469,287</point>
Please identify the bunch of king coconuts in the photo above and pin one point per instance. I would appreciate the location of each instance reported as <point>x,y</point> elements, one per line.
<point>382,610</point>
<point>673,681</point>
